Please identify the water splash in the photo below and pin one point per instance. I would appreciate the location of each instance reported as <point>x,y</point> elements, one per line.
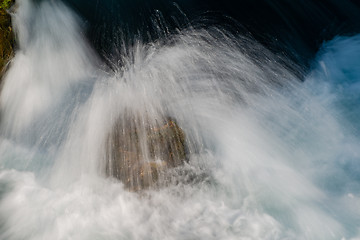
<point>270,157</point>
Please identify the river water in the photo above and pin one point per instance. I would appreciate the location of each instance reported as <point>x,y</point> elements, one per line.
<point>273,155</point>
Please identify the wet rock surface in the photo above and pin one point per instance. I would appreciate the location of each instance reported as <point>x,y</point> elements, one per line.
<point>7,39</point>
<point>140,151</point>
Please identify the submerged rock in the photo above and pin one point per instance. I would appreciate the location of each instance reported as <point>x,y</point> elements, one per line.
<point>141,150</point>
<point>7,39</point>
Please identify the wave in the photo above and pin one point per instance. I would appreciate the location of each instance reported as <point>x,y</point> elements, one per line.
<point>273,156</point>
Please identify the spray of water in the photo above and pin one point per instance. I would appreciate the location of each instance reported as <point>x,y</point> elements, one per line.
<point>267,156</point>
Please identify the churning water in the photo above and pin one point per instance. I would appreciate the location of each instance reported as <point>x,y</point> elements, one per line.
<point>271,156</point>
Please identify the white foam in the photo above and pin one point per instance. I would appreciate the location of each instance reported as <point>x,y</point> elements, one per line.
<point>268,151</point>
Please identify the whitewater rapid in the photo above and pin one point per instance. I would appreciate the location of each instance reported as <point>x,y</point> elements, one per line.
<point>271,156</point>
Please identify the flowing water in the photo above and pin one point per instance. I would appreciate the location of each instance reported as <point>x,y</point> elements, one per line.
<point>271,156</point>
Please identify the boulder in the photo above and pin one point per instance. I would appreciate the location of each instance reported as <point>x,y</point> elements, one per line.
<point>140,150</point>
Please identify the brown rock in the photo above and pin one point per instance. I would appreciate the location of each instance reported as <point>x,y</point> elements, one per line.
<point>7,39</point>
<point>140,150</point>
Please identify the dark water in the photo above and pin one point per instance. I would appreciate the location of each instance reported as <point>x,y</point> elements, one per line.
<point>293,28</point>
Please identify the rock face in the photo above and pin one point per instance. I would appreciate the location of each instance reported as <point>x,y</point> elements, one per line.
<point>7,39</point>
<point>141,150</point>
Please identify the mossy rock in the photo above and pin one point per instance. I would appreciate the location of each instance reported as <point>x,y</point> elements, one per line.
<point>6,4</point>
<point>140,151</point>
<point>7,39</point>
